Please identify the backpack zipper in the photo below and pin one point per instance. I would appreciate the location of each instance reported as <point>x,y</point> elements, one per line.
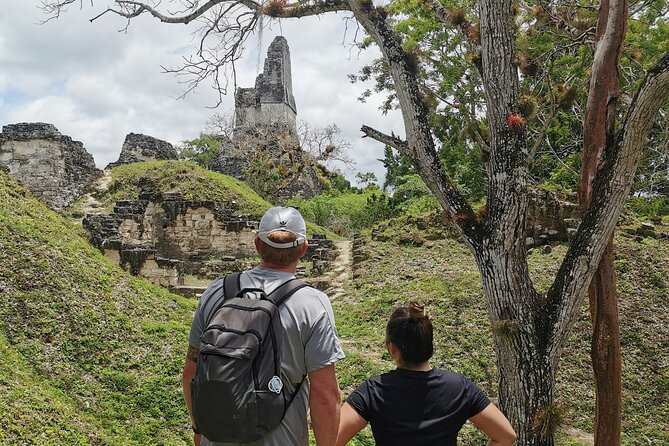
<point>239,332</point>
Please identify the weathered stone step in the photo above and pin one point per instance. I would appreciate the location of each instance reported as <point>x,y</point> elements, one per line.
<point>188,290</point>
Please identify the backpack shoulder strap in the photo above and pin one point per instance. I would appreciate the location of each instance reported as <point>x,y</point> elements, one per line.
<point>287,289</point>
<point>231,284</point>
<point>230,288</point>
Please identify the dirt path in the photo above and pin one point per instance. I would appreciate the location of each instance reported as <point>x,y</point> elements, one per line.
<point>340,271</point>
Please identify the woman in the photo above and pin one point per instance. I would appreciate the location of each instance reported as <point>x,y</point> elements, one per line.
<point>416,404</point>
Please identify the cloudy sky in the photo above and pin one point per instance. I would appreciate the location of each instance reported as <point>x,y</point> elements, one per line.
<point>96,84</point>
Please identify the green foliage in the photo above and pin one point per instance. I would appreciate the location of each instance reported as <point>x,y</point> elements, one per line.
<point>411,196</point>
<point>340,183</point>
<point>201,150</point>
<point>649,207</point>
<point>267,179</point>
<point>397,168</point>
<point>366,178</point>
<point>555,61</point>
<point>346,212</point>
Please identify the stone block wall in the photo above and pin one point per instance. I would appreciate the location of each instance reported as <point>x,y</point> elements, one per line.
<point>551,218</point>
<point>163,238</point>
<point>55,168</point>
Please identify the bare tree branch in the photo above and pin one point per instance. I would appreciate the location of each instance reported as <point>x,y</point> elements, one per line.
<point>390,140</point>
<point>305,9</point>
<point>542,134</point>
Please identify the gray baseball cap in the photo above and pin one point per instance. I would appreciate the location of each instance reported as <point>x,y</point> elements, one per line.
<point>283,219</point>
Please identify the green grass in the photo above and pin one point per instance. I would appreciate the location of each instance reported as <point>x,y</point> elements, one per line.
<point>97,354</point>
<point>35,412</point>
<point>194,182</point>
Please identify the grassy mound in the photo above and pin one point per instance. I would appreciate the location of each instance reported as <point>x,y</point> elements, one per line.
<point>442,273</point>
<point>189,179</point>
<point>90,355</point>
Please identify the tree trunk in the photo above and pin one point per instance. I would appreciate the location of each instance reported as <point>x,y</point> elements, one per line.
<point>598,131</point>
<point>605,351</point>
<point>526,370</point>
<point>526,383</point>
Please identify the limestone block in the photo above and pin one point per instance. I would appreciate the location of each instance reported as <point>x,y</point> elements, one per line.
<point>138,147</point>
<point>113,255</point>
<point>203,228</point>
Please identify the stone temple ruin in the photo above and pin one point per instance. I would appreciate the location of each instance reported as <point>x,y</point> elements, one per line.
<point>551,218</point>
<point>265,118</point>
<point>165,238</point>
<point>271,101</point>
<point>55,168</point>
<point>137,148</point>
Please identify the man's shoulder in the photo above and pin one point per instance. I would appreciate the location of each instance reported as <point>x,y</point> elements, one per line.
<point>311,291</point>
<point>311,299</point>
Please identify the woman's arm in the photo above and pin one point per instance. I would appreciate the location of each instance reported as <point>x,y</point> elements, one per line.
<point>350,423</point>
<point>494,424</point>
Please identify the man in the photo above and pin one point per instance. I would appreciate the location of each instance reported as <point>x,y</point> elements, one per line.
<point>310,344</point>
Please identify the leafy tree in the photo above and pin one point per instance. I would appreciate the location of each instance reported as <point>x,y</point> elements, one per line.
<point>202,150</point>
<point>366,178</point>
<point>529,327</point>
<point>397,168</point>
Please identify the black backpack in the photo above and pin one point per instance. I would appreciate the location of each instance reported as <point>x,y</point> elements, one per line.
<point>237,394</point>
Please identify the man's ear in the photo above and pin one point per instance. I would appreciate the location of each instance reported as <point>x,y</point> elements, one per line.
<point>257,242</point>
<point>304,248</point>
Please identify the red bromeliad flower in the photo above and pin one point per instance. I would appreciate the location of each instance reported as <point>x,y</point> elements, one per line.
<point>516,123</point>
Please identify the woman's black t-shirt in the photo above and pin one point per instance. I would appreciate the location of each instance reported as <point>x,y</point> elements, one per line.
<point>409,408</point>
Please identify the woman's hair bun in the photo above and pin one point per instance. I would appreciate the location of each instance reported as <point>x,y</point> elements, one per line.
<point>416,310</point>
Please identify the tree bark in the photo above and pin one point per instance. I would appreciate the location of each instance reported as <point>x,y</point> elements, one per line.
<point>526,370</point>
<point>605,351</point>
<point>598,130</point>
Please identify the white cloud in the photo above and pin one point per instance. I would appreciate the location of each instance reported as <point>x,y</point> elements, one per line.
<point>96,84</point>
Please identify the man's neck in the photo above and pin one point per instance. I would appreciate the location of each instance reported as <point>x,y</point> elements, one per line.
<point>283,268</point>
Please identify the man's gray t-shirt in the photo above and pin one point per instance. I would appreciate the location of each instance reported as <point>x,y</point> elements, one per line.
<point>310,343</point>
